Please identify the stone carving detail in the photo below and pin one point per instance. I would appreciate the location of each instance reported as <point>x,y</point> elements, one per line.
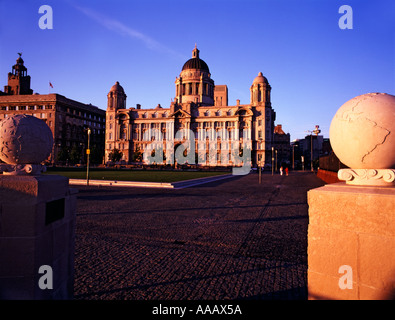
<point>374,177</point>
<point>25,142</point>
<point>20,169</point>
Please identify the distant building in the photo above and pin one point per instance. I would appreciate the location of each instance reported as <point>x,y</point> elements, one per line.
<point>281,143</point>
<point>200,106</point>
<point>68,119</point>
<point>302,150</point>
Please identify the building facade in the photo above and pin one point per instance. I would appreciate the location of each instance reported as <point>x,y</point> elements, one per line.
<point>199,118</point>
<point>282,145</point>
<point>68,119</point>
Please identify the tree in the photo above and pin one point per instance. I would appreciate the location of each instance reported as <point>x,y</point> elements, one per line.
<point>96,156</point>
<point>75,155</point>
<point>115,155</point>
<point>63,154</point>
<point>137,156</point>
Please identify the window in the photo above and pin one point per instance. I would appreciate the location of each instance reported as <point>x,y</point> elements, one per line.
<point>31,107</point>
<point>259,122</point>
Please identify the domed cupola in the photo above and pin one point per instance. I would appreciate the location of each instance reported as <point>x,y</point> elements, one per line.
<point>117,88</point>
<point>260,91</point>
<point>116,98</point>
<point>260,79</point>
<point>194,83</point>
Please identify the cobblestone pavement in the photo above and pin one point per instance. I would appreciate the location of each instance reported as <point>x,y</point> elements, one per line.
<point>231,239</point>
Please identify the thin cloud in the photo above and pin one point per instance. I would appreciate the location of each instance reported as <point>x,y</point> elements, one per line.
<point>120,28</point>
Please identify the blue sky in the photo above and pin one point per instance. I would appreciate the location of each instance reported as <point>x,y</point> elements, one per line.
<point>312,65</point>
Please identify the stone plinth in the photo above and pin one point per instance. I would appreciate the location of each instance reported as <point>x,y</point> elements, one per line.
<point>37,223</point>
<point>351,226</point>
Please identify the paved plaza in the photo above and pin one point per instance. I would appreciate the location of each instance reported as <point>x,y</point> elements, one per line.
<point>229,239</point>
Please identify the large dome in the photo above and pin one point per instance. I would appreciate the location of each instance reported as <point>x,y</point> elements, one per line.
<point>195,62</point>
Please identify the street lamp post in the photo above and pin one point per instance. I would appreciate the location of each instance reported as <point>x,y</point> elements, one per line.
<point>311,142</point>
<point>293,157</point>
<point>272,160</point>
<point>259,173</point>
<point>88,152</point>
<point>316,131</point>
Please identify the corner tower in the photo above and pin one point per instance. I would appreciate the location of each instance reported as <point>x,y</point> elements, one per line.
<point>116,100</point>
<point>260,91</point>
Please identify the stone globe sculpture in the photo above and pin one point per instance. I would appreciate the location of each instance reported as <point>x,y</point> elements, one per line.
<point>362,135</point>
<point>25,142</point>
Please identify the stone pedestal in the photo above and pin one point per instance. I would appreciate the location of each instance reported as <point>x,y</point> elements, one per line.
<point>351,226</point>
<point>37,228</point>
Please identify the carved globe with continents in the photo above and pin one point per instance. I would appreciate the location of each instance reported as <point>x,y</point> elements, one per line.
<point>362,132</point>
<point>24,139</point>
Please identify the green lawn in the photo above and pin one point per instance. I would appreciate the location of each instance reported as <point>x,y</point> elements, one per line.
<point>129,175</point>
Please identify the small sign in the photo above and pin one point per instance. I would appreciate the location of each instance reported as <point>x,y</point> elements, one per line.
<point>88,151</point>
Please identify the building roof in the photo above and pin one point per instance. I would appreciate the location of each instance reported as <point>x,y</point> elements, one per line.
<point>117,88</point>
<point>48,98</point>
<point>279,129</point>
<point>260,79</point>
